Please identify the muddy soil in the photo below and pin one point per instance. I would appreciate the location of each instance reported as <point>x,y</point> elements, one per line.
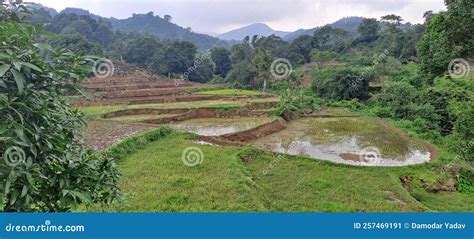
<point>242,138</point>
<point>207,113</point>
<point>132,112</point>
<point>101,134</point>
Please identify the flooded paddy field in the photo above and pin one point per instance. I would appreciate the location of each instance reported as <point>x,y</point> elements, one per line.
<point>347,140</point>
<point>219,126</point>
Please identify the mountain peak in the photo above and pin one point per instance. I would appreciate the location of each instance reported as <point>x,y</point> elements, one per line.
<point>260,29</point>
<point>259,24</point>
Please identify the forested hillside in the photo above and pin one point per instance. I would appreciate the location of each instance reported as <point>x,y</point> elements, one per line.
<point>165,29</point>
<point>160,27</point>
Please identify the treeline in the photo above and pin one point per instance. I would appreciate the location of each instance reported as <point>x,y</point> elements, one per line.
<point>327,44</point>
<point>237,66</point>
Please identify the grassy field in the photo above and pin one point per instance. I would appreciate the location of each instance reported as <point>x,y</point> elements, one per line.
<point>95,111</point>
<point>138,118</point>
<point>98,110</point>
<point>228,92</point>
<point>156,179</point>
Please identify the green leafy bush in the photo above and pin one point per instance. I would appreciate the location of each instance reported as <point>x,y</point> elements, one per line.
<point>345,84</point>
<point>43,166</point>
<point>465,181</point>
<point>294,102</point>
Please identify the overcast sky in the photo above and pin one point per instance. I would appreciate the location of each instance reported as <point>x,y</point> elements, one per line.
<point>213,16</point>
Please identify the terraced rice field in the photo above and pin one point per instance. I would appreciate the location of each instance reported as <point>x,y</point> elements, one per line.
<point>254,161</point>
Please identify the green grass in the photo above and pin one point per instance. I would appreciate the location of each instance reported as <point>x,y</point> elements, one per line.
<point>228,92</point>
<point>138,118</point>
<point>93,112</point>
<point>157,180</point>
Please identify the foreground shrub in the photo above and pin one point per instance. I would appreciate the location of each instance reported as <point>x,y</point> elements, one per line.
<point>43,166</point>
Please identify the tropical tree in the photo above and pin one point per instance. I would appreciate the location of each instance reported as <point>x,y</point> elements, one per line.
<point>343,85</point>
<point>140,50</point>
<point>178,57</point>
<point>43,166</point>
<point>302,47</point>
<point>448,37</point>
<point>263,60</point>
<point>392,20</point>
<point>168,18</point>
<point>222,62</point>
<point>368,30</point>
<point>202,71</point>
<point>328,37</point>
<point>428,15</point>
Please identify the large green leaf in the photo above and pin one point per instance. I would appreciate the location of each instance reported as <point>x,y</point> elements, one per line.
<point>19,80</point>
<point>4,69</point>
<point>31,66</point>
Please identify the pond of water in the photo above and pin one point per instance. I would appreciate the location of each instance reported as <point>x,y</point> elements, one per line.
<point>219,126</point>
<point>354,141</point>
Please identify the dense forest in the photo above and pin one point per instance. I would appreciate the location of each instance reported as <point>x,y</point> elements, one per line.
<point>417,76</point>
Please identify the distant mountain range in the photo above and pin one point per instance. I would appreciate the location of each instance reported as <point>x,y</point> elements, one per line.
<point>38,6</point>
<point>349,24</point>
<point>165,29</point>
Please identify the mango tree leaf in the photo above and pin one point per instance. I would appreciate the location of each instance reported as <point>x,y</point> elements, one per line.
<point>17,65</point>
<point>7,186</point>
<point>13,197</point>
<point>24,191</point>
<point>19,80</point>
<point>4,69</point>
<point>83,197</point>
<point>31,66</point>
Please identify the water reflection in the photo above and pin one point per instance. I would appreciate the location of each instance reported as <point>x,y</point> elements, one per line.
<point>350,146</point>
<point>346,141</point>
<point>218,127</point>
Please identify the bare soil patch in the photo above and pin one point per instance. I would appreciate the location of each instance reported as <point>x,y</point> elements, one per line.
<point>241,138</point>
<point>101,134</point>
